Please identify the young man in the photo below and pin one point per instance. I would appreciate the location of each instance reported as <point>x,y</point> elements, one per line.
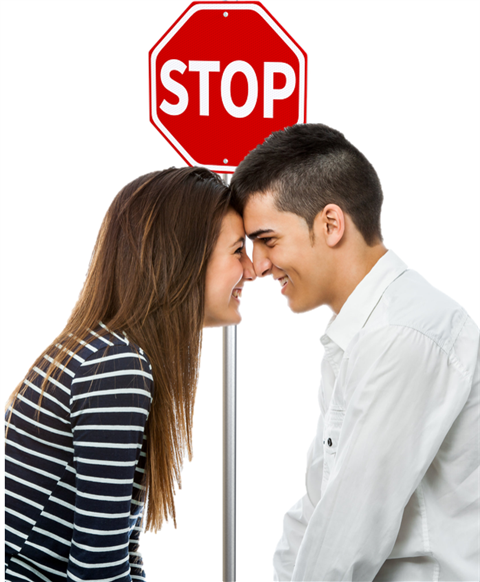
<point>393,472</point>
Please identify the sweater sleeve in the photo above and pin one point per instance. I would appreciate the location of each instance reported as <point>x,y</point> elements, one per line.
<point>110,402</point>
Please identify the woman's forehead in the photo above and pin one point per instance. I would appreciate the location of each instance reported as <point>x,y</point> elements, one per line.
<point>232,225</point>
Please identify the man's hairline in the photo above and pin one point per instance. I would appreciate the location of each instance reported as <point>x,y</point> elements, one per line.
<point>271,191</point>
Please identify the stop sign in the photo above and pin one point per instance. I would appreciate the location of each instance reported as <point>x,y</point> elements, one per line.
<point>222,78</point>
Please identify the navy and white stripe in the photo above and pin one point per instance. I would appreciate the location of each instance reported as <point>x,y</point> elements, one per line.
<point>74,467</point>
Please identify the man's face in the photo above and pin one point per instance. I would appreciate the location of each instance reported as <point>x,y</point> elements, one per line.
<point>283,248</point>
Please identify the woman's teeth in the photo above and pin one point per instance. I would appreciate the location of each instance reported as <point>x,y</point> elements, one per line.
<point>284,281</point>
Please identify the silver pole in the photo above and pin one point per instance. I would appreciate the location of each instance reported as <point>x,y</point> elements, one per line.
<point>229,450</point>
<point>229,446</point>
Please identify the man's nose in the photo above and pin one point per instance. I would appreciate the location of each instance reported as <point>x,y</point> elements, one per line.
<point>261,262</point>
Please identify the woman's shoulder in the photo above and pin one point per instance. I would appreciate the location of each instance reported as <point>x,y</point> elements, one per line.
<point>106,352</point>
<point>103,342</point>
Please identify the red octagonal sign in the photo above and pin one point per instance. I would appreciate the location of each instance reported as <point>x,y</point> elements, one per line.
<point>222,78</point>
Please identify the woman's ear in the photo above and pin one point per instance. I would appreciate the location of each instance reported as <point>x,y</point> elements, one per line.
<point>330,223</point>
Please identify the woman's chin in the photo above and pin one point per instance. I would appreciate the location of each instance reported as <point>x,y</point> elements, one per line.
<point>226,320</point>
<point>232,320</point>
<point>236,321</point>
<point>235,317</point>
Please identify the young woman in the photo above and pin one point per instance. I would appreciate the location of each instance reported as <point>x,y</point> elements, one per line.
<point>103,418</point>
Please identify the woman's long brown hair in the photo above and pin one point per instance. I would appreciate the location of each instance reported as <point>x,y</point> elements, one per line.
<point>147,278</point>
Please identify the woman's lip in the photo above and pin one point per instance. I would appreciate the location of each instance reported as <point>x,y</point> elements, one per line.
<point>237,299</point>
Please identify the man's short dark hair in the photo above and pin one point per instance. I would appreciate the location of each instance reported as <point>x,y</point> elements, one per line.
<point>308,166</point>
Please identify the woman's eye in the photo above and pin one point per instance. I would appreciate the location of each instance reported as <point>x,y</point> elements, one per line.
<point>239,251</point>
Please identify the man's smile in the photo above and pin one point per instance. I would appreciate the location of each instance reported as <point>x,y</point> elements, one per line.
<point>283,281</point>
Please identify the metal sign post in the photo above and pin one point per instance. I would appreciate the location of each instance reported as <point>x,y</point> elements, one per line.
<point>229,446</point>
<point>229,450</point>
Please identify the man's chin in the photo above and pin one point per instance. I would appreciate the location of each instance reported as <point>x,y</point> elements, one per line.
<point>295,307</point>
<point>299,307</point>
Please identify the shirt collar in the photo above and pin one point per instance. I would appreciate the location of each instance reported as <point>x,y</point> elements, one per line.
<point>363,300</point>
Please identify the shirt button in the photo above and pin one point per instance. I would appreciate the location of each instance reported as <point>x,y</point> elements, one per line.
<point>329,442</point>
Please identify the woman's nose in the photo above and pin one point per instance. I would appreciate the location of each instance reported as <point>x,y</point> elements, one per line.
<point>248,269</point>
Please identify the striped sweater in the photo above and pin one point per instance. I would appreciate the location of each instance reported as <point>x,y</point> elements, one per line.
<point>74,468</point>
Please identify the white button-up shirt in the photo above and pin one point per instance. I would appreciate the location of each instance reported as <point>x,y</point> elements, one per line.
<point>393,473</point>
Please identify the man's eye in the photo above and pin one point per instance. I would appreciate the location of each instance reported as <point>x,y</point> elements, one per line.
<point>266,240</point>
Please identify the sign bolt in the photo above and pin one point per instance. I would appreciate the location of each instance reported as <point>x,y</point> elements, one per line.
<point>225,161</point>
<point>225,14</point>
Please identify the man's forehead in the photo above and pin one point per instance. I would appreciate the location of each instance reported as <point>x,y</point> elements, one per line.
<point>262,198</point>
<point>260,214</point>
<point>261,206</point>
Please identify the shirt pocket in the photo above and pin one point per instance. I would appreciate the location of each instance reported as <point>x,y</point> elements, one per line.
<point>331,435</point>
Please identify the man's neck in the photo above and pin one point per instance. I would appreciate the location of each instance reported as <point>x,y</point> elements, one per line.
<point>354,268</point>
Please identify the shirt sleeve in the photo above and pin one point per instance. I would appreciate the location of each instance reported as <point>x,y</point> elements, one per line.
<point>404,393</point>
<point>110,401</point>
<point>297,517</point>
<point>294,525</point>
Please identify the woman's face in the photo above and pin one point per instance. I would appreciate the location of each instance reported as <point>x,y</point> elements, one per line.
<point>228,269</point>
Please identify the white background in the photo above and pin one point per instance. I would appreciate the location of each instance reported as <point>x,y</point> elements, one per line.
<point>399,78</point>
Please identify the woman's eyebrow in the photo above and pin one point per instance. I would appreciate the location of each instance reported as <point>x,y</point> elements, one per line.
<point>254,235</point>
<point>241,239</point>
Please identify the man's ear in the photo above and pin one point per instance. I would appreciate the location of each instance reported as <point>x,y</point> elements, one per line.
<point>330,223</point>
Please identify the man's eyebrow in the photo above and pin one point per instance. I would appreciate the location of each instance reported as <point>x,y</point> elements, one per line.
<point>254,235</point>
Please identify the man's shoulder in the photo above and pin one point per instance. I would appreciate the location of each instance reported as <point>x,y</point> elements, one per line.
<point>411,301</point>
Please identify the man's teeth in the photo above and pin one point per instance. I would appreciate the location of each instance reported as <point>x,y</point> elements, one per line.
<point>283,281</point>
<point>237,293</point>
